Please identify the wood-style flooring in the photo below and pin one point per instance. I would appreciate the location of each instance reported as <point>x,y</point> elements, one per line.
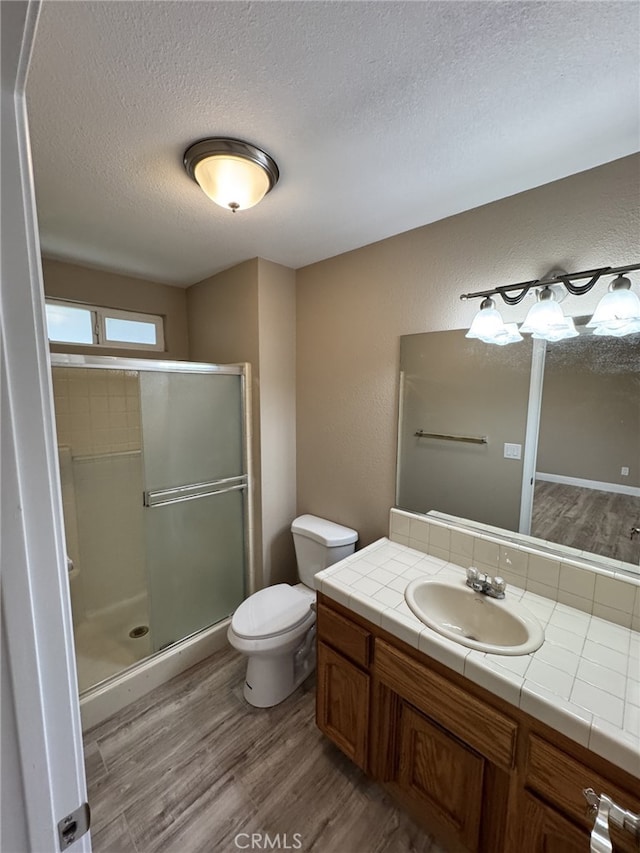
<point>590,520</point>
<point>191,765</point>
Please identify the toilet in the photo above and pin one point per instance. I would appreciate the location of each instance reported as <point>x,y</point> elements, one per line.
<point>276,626</point>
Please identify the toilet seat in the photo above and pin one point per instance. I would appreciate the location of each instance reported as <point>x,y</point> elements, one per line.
<point>272,611</point>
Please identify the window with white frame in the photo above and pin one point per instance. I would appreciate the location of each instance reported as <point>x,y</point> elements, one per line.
<point>75,323</point>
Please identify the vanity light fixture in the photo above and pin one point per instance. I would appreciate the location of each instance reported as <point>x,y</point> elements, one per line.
<point>234,174</point>
<point>546,320</point>
<point>488,326</point>
<point>617,314</point>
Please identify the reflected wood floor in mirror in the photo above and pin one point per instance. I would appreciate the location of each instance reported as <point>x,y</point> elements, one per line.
<point>189,766</point>
<point>599,522</point>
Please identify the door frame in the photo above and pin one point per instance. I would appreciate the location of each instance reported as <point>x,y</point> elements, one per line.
<point>36,610</point>
<point>532,430</point>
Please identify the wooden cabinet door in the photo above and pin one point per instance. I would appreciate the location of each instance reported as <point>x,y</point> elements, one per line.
<point>544,830</point>
<point>440,773</point>
<point>342,704</point>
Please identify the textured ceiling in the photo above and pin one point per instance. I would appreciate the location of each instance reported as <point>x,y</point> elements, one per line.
<point>382,116</point>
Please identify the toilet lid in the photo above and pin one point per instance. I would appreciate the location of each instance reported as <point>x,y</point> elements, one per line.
<point>271,611</point>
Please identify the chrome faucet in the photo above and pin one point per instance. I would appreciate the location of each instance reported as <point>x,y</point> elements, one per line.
<point>479,582</point>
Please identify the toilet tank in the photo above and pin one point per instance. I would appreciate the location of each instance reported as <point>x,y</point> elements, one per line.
<point>320,543</point>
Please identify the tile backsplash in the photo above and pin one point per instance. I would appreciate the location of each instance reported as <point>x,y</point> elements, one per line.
<point>602,592</point>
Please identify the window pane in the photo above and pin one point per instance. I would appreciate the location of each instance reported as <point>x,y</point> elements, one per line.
<point>130,331</point>
<point>69,325</point>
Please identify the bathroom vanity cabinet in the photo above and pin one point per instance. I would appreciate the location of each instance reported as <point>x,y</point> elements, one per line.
<point>476,771</point>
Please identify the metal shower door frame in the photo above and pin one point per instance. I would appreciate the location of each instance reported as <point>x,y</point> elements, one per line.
<point>159,497</point>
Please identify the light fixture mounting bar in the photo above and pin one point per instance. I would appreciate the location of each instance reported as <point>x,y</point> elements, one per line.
<point>522,288</point>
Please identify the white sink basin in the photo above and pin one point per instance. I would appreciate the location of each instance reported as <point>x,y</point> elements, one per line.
<point>500,627</point>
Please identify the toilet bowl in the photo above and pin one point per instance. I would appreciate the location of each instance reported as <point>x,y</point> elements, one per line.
<point>275,627</point>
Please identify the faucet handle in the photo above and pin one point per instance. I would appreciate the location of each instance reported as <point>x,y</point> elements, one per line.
<point>498,585</point>
<point>472,573</point>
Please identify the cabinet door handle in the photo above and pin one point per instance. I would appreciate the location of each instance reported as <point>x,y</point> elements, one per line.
<point>600,841</point>
<point>605,809</point>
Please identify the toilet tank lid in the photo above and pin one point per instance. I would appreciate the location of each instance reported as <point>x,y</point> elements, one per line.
<point>326,532</point>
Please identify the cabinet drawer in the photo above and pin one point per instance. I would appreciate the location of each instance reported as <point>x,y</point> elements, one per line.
<point>353,641</point>
<point>477,724</point>
<point>560,780</point>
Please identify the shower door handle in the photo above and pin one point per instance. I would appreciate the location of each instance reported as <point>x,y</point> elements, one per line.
<point>161,497</point>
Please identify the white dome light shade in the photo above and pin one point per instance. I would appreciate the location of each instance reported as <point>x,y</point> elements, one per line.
<point>545,316</point>
<point>232,173</point>
<point>617,309</point>
<point>232,182</point>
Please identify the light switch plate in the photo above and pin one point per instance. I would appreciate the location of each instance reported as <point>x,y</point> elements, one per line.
<point>513,451</point>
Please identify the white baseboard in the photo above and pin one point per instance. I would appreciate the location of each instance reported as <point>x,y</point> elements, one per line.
<point>598,485</point>
<point>101,702</point>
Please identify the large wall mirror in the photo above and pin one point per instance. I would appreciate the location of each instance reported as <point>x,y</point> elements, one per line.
<point>535,438</point>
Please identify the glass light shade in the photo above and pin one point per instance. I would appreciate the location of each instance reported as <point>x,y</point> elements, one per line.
<point>616,309</point>
<point>489,327</point>
<point>630,328</point>
<point>558,332</point>
<point>509,334</point>
<point>232,182</point>
<point>543,317</point>
<point>487,321</point>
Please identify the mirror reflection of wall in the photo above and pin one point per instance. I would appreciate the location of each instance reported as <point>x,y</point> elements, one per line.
<point>456,386</point>
<point>587,476</point>
<point>587,491</point>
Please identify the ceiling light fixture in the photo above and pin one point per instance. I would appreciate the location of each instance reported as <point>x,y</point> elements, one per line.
<point>617,314</point>
<point>234,174</point>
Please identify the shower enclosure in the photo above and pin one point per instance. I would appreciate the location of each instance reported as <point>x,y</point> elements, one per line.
<point>154,475</point>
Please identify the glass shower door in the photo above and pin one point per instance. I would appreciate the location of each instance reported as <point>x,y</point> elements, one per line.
<point>195,495</point>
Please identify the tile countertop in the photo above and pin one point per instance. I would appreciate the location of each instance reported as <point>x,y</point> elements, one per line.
<point>584,681</point>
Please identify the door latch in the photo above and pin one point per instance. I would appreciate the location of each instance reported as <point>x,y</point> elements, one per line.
<point>74,825</point>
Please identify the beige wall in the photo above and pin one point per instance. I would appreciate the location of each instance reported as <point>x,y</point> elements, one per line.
<point>222,315</point>
<point>247,313</point>
<point>590,419</point>
<point>111,290</point>
<point>277,322</point>
<point>352,310</point>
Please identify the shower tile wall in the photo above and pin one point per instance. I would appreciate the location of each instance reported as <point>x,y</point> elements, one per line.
<point>98,424</point>
<point>97,413</point>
